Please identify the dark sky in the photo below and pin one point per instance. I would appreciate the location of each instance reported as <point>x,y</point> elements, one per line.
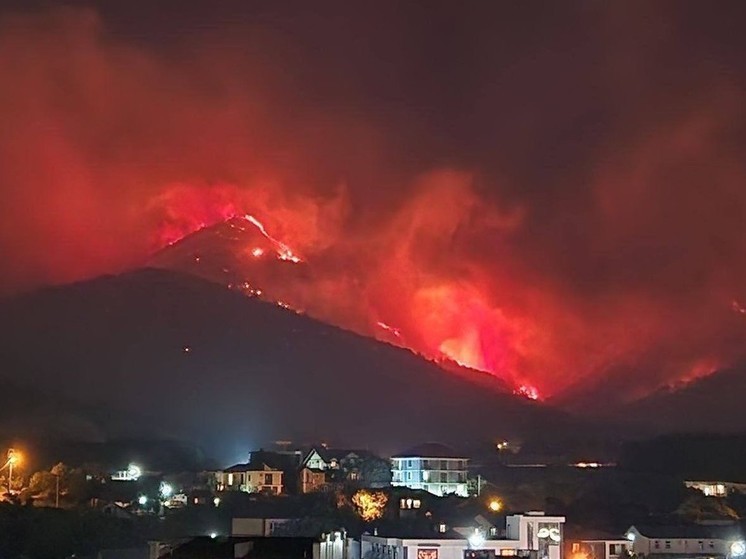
<point>577,165</point>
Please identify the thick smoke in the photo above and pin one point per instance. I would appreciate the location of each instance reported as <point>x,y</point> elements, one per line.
<point>557,197</point>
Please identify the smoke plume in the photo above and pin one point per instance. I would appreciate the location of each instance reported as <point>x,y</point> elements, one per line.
<point>553,195</point>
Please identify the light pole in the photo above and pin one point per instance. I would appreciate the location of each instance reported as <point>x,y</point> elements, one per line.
<point>13,458</point>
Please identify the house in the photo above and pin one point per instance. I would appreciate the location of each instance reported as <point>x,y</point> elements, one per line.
<point>252,477</point>
<point>433,467</point>
<point>687,541</point>
<point>342,466</point>
<point>347,462</point>
<point>526,535</point>
<point>717,488</point>
<point>599,548</point>
<point>312,480</point>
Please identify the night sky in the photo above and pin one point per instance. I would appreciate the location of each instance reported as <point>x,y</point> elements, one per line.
<point>555,191</point>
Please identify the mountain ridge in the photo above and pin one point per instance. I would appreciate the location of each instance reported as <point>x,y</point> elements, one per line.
<point>233,371</point>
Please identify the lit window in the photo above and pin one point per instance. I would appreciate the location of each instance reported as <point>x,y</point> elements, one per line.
<point>575,547</point>
<point>416,503</point>
<point>442,528</point>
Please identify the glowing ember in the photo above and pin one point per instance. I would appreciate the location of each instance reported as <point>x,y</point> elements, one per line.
<point>527,391</point>
<point>257,252</point>
<point>738,307</point>
<point>283,251</point>
<point>394,331</point>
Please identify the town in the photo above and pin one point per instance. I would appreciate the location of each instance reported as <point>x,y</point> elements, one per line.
<point>425,502</point>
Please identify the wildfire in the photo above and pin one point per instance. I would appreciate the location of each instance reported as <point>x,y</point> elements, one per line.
<point>283,251</point>
<point>527,391</point>
<point>395,331</point>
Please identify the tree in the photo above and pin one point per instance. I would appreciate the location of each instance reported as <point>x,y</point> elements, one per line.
<point>370,505</point>
<point>375,472</point>
<point>699,507</point>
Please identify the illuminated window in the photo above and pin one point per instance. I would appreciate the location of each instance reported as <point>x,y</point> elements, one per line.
<point>442,528</point>
<point>416,503</point>
<point>575,547</point>
<point>230,479</point>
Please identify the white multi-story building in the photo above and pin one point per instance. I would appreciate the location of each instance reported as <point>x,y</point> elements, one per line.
<point>527,535</point>
<point>690,541</point>
<point>433,467</point>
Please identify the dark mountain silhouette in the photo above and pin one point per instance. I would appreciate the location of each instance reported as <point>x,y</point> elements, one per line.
<point>710,404</point>
<point>179,356</point>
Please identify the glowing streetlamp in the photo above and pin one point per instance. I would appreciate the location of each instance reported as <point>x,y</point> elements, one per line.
<point>166,490</point>
<point>476,540</point>
<point>495,505</point>
<point>14,458</point>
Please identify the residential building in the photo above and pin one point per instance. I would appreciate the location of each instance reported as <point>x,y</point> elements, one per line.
<point>687,541</point>
<point>252,477</point>
<point>433,467</point>
<point>716,488</point>
<point>599,548</point>
<point>312,480</point>
<point>527,535</point>
<point>343,466</point>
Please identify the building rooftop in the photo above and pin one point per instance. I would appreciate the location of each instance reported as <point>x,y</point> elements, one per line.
<point>691,531</point>
<point>430,450</point>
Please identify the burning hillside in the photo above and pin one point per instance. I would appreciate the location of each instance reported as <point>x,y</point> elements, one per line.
<point>561,207</point>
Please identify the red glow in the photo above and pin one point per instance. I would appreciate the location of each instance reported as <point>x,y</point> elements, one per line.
<point>283,251</point>
<point>527,391</point>
<point>624,259</point>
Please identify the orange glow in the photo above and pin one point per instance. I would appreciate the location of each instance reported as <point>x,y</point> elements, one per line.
<point>370,505</point>
<point>14,457</point>
<point>257,252</point>
<point>495,505</point>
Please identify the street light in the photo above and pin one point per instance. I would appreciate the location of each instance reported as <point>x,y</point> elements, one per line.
<point>476,540</point>
<point>14,458</point>
<point>495,505</point>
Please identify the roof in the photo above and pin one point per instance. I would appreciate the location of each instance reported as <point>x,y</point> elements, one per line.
<point>329,454</point>
<point>254,466</point>
<point>430,450</point>
<point>690,531</point>
<point>224,547</point>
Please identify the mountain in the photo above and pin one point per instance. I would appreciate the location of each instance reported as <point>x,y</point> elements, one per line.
<point>240,254</point>
<point>183,357</point>
<point>714,403</point>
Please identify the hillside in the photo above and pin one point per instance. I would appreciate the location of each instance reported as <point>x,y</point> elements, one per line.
<point>710,404</point>
<point>181,356</point>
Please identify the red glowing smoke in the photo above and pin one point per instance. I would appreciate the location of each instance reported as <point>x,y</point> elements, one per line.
<point>583,233</point>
